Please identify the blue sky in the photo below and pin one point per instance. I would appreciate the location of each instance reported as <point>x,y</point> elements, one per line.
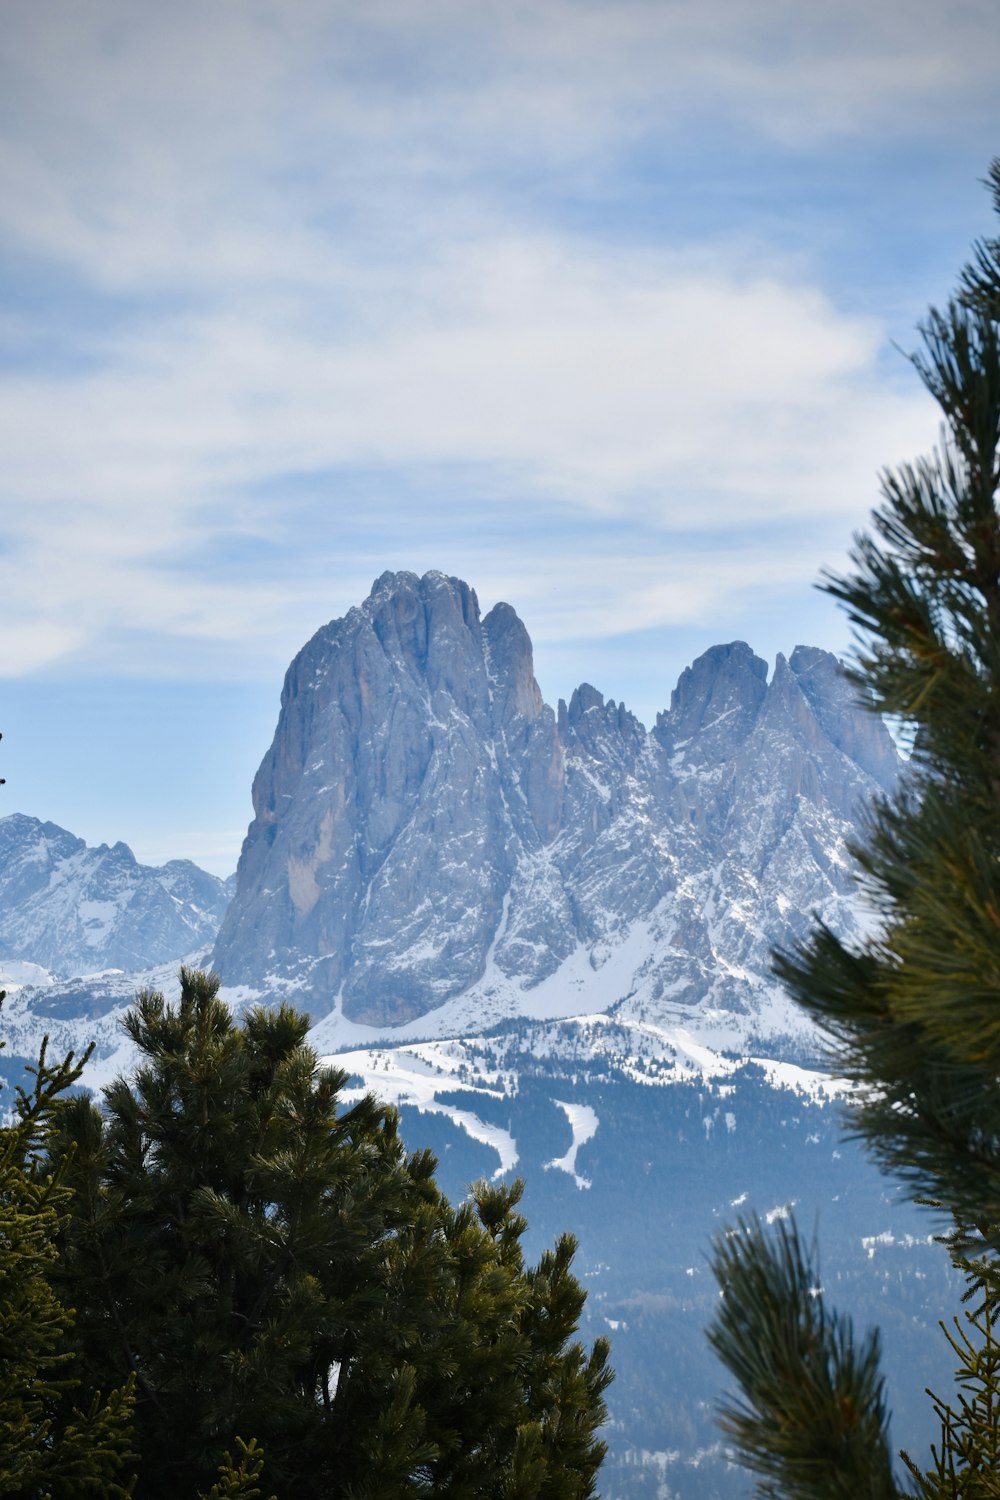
<point>594,303</point>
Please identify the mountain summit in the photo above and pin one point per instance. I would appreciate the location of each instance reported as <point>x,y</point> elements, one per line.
<point>429,834</point>
<point>72,909</point>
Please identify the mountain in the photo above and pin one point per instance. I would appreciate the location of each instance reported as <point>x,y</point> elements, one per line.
<point>75,910</point>
<point>544,934</point>
<point>645,1144</point>
<point>435,847</point>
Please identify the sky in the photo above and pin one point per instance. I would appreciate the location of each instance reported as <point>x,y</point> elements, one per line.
<point>601,305</point>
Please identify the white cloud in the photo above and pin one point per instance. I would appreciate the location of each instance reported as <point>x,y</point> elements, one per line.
<point>314,227</point>
<point>634,387</point>
<point>633,593</point>
<point>211,139</point>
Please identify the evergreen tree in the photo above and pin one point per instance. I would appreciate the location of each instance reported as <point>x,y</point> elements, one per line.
<point>912,1012</point>
<point>50,1448</point>
<point>262,1262</point>
<point>51,1445</point>
<point>813,1418</point>
<point>966,1458</point>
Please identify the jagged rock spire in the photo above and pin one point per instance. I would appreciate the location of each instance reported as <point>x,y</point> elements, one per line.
<point>426,828</point>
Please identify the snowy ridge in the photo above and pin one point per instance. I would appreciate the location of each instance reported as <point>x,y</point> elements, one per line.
<point>83,1013</point>
<point>423,1077</point>
<point>427,1075</point>
<point>71,909</point>
<point>434,849</point>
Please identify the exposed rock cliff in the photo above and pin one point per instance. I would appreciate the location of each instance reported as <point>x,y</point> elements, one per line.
<point>428,832</point>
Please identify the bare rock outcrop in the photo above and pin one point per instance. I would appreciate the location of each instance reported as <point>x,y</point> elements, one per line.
<point>426,827</point>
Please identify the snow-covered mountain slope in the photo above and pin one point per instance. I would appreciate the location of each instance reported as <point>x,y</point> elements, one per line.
<point>448,1077</point>
<point>645,1143</point>
<point>77,910</point>
<point>546,936</point>
<point>434,849</point>
<point>76,1014</point>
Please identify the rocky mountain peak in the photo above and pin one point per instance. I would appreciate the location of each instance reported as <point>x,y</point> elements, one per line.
<point>715,703</point>
<point>428,834</point>
<point>510,667</point>
<point>75,910</point>
<point>431,627</point>
<point>412,741</point>
<point>834,699</point>
<point>602,731</point>
<point>584,698</point>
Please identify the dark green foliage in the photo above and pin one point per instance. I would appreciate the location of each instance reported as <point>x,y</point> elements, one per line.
<point>264,1263</point>
<point>980,280</point>
<point>813,1418</point>
<point>966,1460</point>
<point>913,1012</point>
<point>51,1443</point>
<point>238,1478</point>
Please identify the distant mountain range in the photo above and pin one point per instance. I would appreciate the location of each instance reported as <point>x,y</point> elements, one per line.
<point>73,910</point>
<point>546,935</point>
<point>435,847</point>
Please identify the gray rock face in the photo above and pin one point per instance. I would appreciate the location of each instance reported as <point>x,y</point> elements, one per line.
<point>76,910</point>
<point>427,828</point>
<point>413,758</point>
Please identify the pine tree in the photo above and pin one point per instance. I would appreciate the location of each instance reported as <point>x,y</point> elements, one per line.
<point>812,1420</point>
<point>50,1448</point>
<point>51,1443</point>
<point>966,1458</point>
<point>265,1263</point>
<point>913,1012</point>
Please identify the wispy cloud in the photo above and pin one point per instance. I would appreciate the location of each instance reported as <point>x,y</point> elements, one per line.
<point>623,387</point>
<point>315,240</point>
